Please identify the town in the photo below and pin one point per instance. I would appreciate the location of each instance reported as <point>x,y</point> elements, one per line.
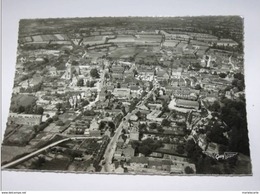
<point>134,95</point>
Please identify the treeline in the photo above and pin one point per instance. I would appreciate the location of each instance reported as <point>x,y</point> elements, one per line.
<point>233,113</point>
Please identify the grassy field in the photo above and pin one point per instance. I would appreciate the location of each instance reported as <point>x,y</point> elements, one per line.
<point>21,136</point>
<point>9,152</point>
<point>56,164</point>
<point>125,52</point>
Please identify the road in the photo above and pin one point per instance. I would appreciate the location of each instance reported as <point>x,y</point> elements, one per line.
<point>24,158</point>
<point>111,147</point>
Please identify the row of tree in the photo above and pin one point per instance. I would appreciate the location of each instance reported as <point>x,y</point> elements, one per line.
<point>29,109</point>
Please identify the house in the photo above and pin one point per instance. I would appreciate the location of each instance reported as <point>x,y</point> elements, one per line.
<point>187,104</point>
<point>202,141</point>
<point>36,80</point>
<point>154,106</point>
<point>24,119</point>
<point>162,75</point>
<point>179,167</point>
<point>119,169</point>
<point>118,154</point>
<point>122,92</point>
<point>117,69</point>
<point>226,42</point>
<point>146,72</point>
<point>134,133</point>
<point>102,94</point>
<point>16,90</point>
<point>117,76</point>
<point>143,109</point>
<point>153,116</point>
<point>212,149</point>
<point>138,162</point>
<point>160,164</point>
<point>183,93</point>
<point>94,129</point>
<point>120,142</point>
<point>176,73</point>
<point>128,152</point>
<point>53,71</point>
<point>133,117</point>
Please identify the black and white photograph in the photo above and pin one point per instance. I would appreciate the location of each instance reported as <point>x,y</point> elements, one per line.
<point>129,95</point>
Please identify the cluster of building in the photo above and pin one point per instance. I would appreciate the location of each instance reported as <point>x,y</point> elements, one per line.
<point>94,80</point>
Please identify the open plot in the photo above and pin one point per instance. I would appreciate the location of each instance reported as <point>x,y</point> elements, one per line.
<point>124,52</point>
<point>21,136</point>
<point>56,164</point>
<point>8,153</point>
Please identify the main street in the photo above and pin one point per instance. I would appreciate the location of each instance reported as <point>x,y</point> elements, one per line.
<point>111,148</point>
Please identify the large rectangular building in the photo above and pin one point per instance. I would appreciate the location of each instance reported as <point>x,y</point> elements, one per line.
<point>187,104</point>
<point>122,92</point>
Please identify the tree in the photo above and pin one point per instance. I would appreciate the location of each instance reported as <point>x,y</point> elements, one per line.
<point>166,122</point>
<point>180,149</point>
<point>85,102</point>
<point>135,72</point>
<point>111,125</point>
<point>152,125</point>
<point>49,120</point>
<point>197,87</point>
<point>80,82</point>
<point>59,123</point>
<point>106,75</point>
<point>55,117</point>
<point>149,145</point>
<point>21,109</point>
<point>36,128</point>
<point>160,129</point>
<point>29,109</point>
<point>215,106</point>
<point>239,76</point>
<point>75,63</point>
<point>94,73</point>
<point>222,75</point>
<point>58,106</point>
<point>40,110</point>
<point>193,151</point>
<point>188,170</point>
<point>142,127</point>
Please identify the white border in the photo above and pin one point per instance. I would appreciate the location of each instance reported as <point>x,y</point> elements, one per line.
<point>13,10</point>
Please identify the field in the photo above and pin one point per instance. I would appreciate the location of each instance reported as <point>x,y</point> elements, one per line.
<point>125,52</point>
<point>80,165</point>
<point>149,38</point>
<point>21,136</point>
<point>48,37</point>
<point>94,40</point>
<point>61,163</point>
<point>123,39</point>
<point>52,128</point>
<point>170,43</point>
<point>9,152</point>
